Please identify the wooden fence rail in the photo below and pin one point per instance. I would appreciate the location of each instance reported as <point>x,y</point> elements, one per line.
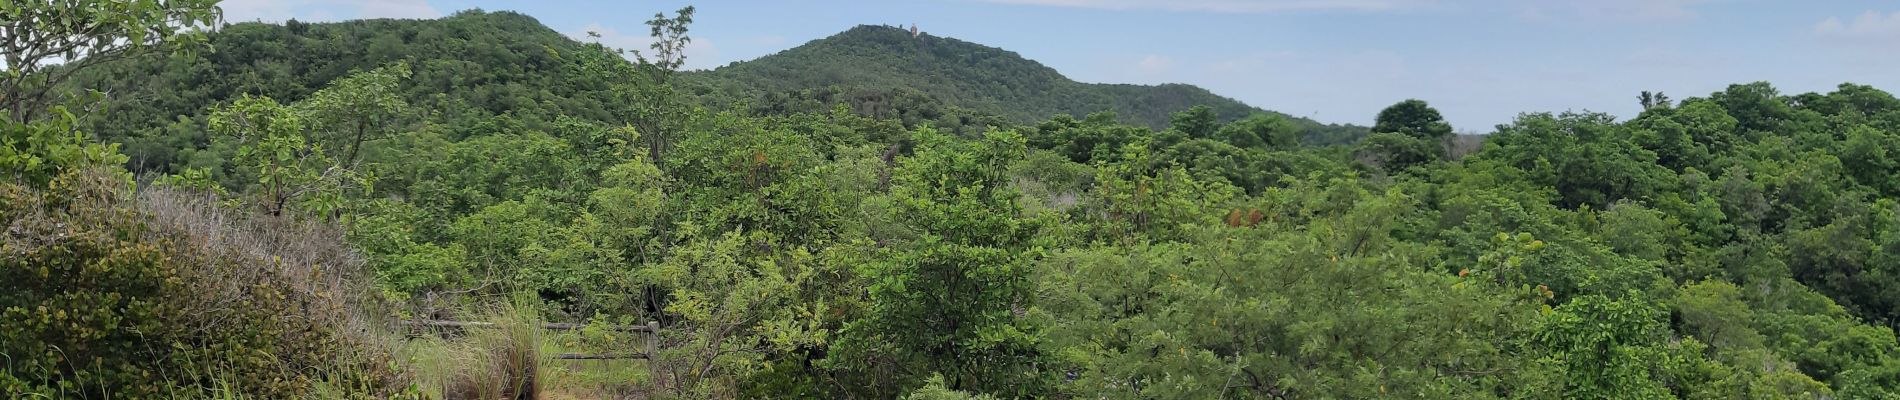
<point>571,356</point>
<point>651,331</point>
<point>553,326</point>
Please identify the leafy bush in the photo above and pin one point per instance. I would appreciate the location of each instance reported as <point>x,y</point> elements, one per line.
<point>104,295</point>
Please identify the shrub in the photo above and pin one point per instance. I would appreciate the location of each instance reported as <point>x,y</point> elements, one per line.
<point>504,363</point>
<point>166,295</point>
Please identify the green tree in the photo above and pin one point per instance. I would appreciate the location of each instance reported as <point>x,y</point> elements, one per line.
<point>1199,122</point>
<point>1394,152</point>
<point>289,168</point>
<point>1261,131</point>
<point>1412,117</point>
<point>1606,348</point>
<point>738,308</point>
<point>46,42</point>
<point>1653,100</point>
<point>657,102</point>
<point>946,300</point>
<point>35,153</point>
<point>362,106</point>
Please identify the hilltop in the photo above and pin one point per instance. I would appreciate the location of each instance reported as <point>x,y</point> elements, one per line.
<point>872,63</point>
<point>471,63</point>
<point>491,63</point>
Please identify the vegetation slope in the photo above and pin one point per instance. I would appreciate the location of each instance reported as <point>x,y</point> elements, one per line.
<point>881,67</point>
<point>1740,244</point>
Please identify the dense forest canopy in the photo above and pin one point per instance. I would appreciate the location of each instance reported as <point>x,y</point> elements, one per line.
<point>398,208</point>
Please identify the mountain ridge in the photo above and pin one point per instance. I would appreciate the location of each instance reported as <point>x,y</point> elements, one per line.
<point>477,62</point>
<point>970,75</point>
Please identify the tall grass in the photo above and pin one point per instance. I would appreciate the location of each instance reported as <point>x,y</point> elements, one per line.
<point>502,362</point>
<point>280,270</point>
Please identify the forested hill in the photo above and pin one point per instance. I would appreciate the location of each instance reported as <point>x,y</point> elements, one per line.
<point>395,209</point>
<point>884,64</point>
<point>470,63</point>
<point>477,63</point>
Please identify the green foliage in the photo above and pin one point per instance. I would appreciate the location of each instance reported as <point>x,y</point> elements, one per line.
<point>946,300</point>
<point>857,218</point>
<point>1097,136</point>
<point>1261,131</point>
<point>82,34</point>
<point>876,68</point>
<point>36,152</point>
<point>95,293</point>
<point>1586,157</point>
<point>934,390</point>
<point>1606,348</point>
<point>359,107</point>
<point>737,307</point>
<point>463,68</point>
<point>669,48</point>
<point>109,297</point>
<point>1413,118</point>
<point>1283,309</point>
<point>1394,152</point>
<point>289,168</point>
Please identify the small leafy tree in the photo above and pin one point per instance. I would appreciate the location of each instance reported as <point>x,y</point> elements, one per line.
<point>1605,348</point>
<point>359,107</point>
<point>34,153</point>
<point>47,41</point>
<point>657,103</point>
<point>290,169</point>
<point>669,41</point>
<point>947,301</point>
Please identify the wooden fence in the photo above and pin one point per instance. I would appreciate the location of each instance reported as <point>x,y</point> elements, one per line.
<point>650,332</point>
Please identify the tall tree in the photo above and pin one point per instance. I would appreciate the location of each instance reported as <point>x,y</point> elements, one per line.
<point>669,41</point>
<point>1413,117</point>
<point>1653,100</point>
<point>659,103</point>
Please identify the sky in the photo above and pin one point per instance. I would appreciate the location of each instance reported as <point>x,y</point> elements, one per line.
<point>1480,62</point>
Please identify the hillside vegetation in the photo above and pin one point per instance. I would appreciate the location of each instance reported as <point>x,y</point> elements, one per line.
<point>878,67</point>
<point>272,211</point>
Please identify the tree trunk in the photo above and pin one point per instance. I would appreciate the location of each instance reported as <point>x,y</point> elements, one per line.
<point>358,143</point>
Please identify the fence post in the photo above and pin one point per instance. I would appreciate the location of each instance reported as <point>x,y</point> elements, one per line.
<point>653,347</point>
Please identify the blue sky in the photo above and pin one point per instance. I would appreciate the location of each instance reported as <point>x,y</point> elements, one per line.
<point>1481,62</point>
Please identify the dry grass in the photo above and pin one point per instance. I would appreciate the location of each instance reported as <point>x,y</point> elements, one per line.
<point>307,257</point>
<point>309,262</point>
<point>504,363</point>
<point>518,358</point>
<point>303,268</point>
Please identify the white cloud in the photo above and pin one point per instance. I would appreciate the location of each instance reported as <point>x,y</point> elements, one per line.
<point>1869,25</point>
<point>700,53</point>
<point>324,10</point>
<point>1227,6</point>
<point>1631,10</point>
